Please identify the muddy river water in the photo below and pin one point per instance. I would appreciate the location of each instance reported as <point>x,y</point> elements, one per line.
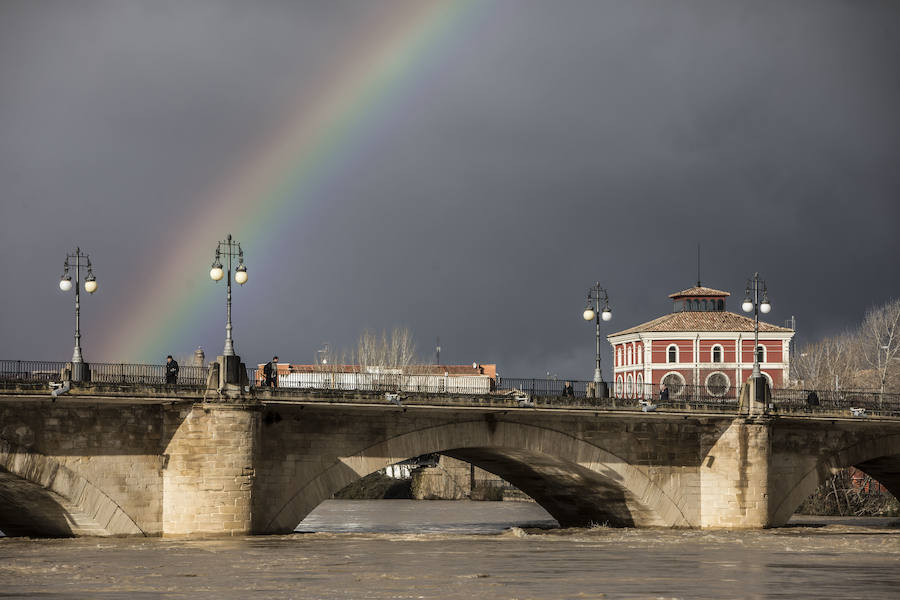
<point>494,550</point>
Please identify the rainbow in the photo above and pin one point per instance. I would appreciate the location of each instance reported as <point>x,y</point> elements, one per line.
<point>280,177</point>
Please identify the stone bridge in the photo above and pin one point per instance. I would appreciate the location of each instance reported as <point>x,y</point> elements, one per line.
<point>152,460</point>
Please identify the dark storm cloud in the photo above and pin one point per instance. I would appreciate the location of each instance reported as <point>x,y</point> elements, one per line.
<point>564,143</point>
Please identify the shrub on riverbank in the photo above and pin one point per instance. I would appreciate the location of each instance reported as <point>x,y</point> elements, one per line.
<point>851,494</point>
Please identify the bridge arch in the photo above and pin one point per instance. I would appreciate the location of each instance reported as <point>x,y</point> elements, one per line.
<point>577,482</point>
<point>879,457</point>
<point>39,496</point>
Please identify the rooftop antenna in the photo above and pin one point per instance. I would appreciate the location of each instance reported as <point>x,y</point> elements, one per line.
<point>698,265</point>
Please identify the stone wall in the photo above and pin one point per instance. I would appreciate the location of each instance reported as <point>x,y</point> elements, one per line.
<point>104,460</point>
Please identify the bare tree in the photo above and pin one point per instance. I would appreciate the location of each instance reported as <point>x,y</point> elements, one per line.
<point>394,352</point>
<point>828,364</point>
<point>879,338</point>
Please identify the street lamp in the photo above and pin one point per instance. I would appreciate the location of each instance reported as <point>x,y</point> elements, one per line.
<point>752,302</point>
<point>79,259</point>
<point>230,249</point>
<point>594,312</point>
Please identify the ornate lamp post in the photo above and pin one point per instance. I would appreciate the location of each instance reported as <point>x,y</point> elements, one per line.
<point>231,249</point>
<point>80,371</point>
<point>593,312</point>
<point>752,302</point>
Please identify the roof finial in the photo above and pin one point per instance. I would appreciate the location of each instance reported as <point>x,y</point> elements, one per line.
<point>698,264</point>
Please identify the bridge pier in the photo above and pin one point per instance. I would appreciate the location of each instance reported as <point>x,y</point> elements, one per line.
<point>209,469</point>
<point>734,476</point>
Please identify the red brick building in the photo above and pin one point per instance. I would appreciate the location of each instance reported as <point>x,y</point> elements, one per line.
<point>699,344</point>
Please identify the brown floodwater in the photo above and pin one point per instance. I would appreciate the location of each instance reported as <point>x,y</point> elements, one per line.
<point>498,550</point>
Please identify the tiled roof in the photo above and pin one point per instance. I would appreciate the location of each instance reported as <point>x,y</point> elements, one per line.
<point>699,291</point>
<point>702,321</point>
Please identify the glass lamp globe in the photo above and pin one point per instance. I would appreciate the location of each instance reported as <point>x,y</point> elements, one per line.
<point>216,273</point>
<point>65,284</point>
<point>765,307</point>
<point>747,306</point>
<point>606,315</point>
<point>90,285</point>
<point>589,314</point>
<point>240,275</point>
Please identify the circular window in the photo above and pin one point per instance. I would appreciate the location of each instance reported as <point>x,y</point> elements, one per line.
<point>718,384</point>
<point>674,382</point>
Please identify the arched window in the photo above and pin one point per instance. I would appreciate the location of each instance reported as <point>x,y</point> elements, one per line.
<point>717,354</point>
<point>629,386</point>
<point>705,305</point>
<point>672,353</point>
<point>761,353</point>
<point>718,384</point>
<point>630,355</point>
<point>619,356</point>
<point>720,304</point>
<point>675,383</point>
<point>640,386</point>
<point>696,305</point>
<point>619,386</point>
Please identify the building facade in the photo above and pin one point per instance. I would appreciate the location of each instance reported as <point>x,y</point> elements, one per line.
<point>699,347</point>
<point>471,379</point>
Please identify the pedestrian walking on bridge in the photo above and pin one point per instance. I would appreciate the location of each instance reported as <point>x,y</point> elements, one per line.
<point>270,371</point>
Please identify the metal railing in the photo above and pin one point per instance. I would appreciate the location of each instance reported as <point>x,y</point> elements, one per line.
<point>30,371</point>
<point>623,395</point>
<point>27,371</point>
<point>551,392</point>
<point>859,401</point>
<point>146,374</point>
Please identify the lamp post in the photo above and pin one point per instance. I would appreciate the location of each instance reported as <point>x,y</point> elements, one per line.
<point>230,249</point>
<point>78,259</point>
<point>752,302</point>
<point>593,312</point>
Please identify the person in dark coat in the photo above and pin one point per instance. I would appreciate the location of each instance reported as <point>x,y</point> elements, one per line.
<point>568,390</point>
<point>171,370</point>
<point>664,394</point>
<point>270,372</point>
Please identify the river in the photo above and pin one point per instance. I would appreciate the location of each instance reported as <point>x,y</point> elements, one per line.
<point>403,549</point>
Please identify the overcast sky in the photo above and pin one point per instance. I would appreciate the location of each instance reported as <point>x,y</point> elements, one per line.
<point>543,146</point>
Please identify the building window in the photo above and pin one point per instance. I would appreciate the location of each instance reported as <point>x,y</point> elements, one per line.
<point>720,305</point>
<point>717,354</point>
<point>672,353</point>
<point>630,355</point>
<point>675,383</point>
<point>629,386</point>
<point>761,353</point>
<point>718,384</point>
<point>619,356</point>
<point>640,386</point>
<point>619,386</point>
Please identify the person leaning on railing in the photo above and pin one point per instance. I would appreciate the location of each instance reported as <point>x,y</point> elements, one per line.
<point>171,370</point>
